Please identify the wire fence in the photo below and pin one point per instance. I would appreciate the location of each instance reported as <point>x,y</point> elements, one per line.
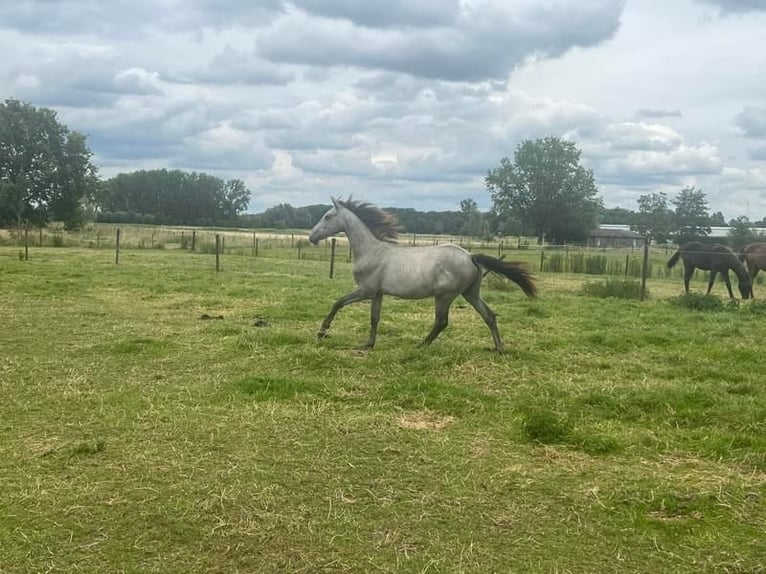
<point>563,266</point>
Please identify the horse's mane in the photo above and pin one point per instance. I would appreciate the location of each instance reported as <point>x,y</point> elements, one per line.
<point>382,224</point>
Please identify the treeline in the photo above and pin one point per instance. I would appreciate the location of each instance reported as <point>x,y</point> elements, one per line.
<point>172,197</point>
<point>285,216</point>
<point>622,216</point>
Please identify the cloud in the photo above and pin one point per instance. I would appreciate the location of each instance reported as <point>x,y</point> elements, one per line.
<point>120,19</point>
<point>409,13</point>
<point>752,121</point>
<point>736,6</point>
<point>757,153</point>
<point>483,40</point>
<point>657,113</point>
<point>234,67</point>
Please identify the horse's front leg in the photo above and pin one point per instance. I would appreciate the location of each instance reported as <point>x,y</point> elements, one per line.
<point>688,270</point>
<point>711,280</point>
<point>728,283</point>
<point>377,303</point>
<point>352,297</point>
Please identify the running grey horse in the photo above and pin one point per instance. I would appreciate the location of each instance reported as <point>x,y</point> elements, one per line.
<point>383,267</point>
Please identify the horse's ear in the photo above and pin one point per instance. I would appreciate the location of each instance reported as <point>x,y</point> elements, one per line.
<point>334,201</point>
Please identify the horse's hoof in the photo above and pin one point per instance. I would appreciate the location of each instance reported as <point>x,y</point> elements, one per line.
<point>322,335</point>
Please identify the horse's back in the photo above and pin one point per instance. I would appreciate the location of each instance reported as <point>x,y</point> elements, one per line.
<point>415,272</point>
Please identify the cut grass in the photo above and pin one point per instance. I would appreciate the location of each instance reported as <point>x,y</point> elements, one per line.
<point>612,436</point>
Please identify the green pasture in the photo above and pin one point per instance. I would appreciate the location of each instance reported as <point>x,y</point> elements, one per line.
<point>158,416</point>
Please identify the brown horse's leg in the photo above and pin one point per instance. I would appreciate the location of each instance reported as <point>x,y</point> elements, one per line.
<point>725,274</point>
<point>753,270</point>
<point>688,270</point>
<point>711,280</point>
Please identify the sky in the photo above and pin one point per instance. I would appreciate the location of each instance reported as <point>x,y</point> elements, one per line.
<point>404,103</point>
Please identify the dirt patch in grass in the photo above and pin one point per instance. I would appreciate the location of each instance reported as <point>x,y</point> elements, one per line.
<point>425,420</point>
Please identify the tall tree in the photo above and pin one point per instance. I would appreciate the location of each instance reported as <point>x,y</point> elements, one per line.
<point>692,219</point>
<point>472,220</point>
<point>742,233</point>
<point>174,196</point>
<point>45,170</point>
<point>546,187</point>
<point>654,217</point>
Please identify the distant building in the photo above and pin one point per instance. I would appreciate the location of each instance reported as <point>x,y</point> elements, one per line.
<point>615,236</point>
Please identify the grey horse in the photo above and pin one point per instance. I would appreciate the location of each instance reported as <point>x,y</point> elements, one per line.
<point>383,267</point>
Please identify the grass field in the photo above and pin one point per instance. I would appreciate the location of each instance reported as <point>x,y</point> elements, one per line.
<point>613,436</point>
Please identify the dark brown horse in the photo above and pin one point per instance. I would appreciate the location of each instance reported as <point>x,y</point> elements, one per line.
<point>715,258</point>
<point>754,255</point>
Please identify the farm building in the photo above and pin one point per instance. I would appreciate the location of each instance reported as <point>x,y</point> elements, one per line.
<point>614,236</point>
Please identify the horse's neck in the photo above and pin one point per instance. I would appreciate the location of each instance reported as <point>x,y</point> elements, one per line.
<point>360,238</point>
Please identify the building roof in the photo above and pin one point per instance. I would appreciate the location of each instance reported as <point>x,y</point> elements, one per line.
<point>613,232</point>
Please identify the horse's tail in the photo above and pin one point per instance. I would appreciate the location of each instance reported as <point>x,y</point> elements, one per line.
<point>674,259</point>
<point>516,272</point>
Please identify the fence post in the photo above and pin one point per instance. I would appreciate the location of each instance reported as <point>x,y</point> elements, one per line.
<point>332,257</point>
<point>348,258</point>
<point>194,239</point>
<point>627,263</point>
<point>256,247</point>
<point>217,252</point>
<point>542,259</point>
<point>41,237</point>
<point>645,268</point>
<point>117,247</point>
<point>26,241</point>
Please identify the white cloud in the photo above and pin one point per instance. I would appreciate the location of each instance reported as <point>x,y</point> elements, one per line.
<point>407,102</point>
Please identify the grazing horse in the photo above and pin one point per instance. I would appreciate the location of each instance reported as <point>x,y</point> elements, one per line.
<point>715,258</point>
<point>383,267</point>
<point>754,255</point>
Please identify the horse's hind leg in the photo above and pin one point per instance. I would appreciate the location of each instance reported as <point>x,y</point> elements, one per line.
<point>352,297</point>
<point>442,304</point>
<point>472,295</point>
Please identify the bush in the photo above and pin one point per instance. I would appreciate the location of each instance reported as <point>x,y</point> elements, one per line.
<point>596,264</point>
<point>555,263</point>
<point>698,302</point>
<point>618,288</point>
<point>577,263</point>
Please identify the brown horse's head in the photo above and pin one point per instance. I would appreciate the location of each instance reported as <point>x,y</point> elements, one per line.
<point>745,287</point>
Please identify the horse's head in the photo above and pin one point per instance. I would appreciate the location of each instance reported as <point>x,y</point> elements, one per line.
<point>745,287</point>
<point>329,224</point>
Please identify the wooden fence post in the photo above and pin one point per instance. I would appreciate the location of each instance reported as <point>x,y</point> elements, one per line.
<point>332,257</point>
<point>194,239</point>
<point>217,252</point>
<point>645,268</point>
<point>117,247</point>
